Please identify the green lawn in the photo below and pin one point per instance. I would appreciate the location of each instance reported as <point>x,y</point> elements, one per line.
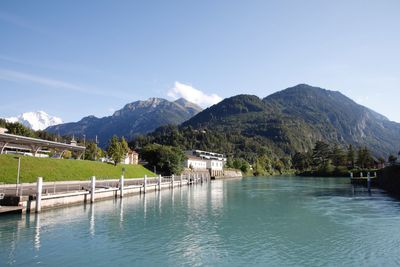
<point>63,170</point>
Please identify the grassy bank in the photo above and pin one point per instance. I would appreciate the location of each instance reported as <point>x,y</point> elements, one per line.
<point>63,170</point>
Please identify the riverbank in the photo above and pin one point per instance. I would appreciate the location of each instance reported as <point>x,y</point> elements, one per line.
<point>63,169</point>
<point>336,173</point>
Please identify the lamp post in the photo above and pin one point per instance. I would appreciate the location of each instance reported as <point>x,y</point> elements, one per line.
<point>18,173</point>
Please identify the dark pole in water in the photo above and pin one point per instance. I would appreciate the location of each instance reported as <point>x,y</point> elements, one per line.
<point>369,182</point>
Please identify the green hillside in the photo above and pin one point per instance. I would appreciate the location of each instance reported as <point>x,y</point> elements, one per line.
<point>63,170</point>
<point>286,122</point>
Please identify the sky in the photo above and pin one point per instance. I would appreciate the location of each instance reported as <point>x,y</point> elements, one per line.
<point>77,58</point>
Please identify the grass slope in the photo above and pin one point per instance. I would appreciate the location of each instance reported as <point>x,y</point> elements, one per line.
<point>63,170</point>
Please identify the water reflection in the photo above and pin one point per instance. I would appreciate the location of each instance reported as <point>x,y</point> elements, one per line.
<point>92,221</point>
<point>37,232</point>
<point>121,212</point>
<point>159,201</point>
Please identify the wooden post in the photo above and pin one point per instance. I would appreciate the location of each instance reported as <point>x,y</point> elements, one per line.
<point>159,182</point>
<point>351,175</point>
<point>361,175</point>
<point>172,180</point>
<point>39,187</point>
<point>121,186</point>
<point>369,182</point>
<point>144,184</point>
<point>181,179</point>
<point>93,189</point>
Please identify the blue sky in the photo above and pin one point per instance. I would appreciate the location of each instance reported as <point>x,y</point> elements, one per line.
<point>76,58</point>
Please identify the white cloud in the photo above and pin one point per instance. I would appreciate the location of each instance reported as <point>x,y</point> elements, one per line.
<point>193,95</point>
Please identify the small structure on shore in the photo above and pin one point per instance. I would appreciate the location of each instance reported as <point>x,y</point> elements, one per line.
<point>132,157</point>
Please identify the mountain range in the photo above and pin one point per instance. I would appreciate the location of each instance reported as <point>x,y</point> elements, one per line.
<point>283,123</point>
<point>135,118</point>
<point>37,120</point>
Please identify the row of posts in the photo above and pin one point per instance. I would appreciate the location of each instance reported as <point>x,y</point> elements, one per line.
<point>39,187</point>
<point>362,175</point>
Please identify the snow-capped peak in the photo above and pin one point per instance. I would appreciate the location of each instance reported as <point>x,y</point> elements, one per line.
<point>37,120</point>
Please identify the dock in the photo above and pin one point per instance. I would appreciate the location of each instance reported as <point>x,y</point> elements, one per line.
<point>367,181</point>
<point>10,209</point>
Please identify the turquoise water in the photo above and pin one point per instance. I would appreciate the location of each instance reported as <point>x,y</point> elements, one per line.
<point>280,221</point>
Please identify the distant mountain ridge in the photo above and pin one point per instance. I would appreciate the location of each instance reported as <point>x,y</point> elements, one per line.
<point>135,118</point>
<point>36,120</point>
<point>288,121</point>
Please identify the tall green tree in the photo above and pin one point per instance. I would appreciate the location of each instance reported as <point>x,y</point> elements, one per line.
<point>364,158</point>
<point>124,146</point>
<point>338,156</point>
<point>321,153</point>
<point>167,160</point>
<point>115,151</point>
<point>351,157</point>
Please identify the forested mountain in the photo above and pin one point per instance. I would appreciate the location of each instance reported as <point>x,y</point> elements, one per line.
<point>281,124</point>
<point>139,117</point>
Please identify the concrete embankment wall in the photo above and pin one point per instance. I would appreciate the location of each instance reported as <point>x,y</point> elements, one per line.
<point>230,174</point>
<point>74,198</point>
<point>92,191</point>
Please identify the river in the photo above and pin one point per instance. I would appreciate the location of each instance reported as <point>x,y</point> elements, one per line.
<point>274,221</point>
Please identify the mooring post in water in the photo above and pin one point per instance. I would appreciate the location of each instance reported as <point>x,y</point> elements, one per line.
<point>172,180</point>
<point>159,182</point>
<point>181,179</point>
<point>121,186</point>
<point>375,175</point>
<point>361,174</point>
<point>351,175</point>
<point>93,189</point>
<point>39,187</point>
<point>144,183</point>
<point>369,181</point>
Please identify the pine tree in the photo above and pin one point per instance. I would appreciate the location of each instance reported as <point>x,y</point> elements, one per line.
<point>351,157</point>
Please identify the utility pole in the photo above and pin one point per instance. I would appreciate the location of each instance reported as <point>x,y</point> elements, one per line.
<point>84,144</point>
<point>95,152</point>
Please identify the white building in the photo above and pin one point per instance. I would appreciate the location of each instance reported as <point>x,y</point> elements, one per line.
<point>195,163</point>
<point>216,167</point>
<point>213,162</point>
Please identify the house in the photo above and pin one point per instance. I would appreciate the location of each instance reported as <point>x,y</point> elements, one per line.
<point>132,157</point>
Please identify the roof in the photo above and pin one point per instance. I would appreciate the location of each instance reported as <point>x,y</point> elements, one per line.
<point>133,152</point>
<point>13,139</point>
<point>194,158</point>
